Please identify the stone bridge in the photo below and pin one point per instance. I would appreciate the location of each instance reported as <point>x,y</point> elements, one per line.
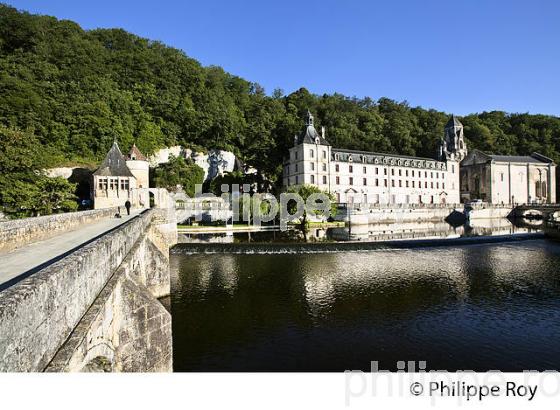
<point>547,212</point>
<point>98,307</point>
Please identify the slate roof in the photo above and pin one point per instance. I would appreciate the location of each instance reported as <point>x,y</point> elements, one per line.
<point>136,154</point>
<point>114,164</point>
<point>453,122</point>
<point>309,134</point>
<point>533,158</point>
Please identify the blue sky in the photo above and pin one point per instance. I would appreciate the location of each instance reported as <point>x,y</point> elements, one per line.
<point>458,56</point>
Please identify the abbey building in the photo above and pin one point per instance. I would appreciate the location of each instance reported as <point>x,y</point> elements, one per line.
<point>456,176</point>
<point>377,178</point>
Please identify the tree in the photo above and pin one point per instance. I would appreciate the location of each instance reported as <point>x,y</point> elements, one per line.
<point>305,192</point>
<point>177,173</point>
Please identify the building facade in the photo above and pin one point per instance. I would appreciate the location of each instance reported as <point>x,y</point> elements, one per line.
<point>121,179</point>
<point>505,179</point>
<point>376,178</point>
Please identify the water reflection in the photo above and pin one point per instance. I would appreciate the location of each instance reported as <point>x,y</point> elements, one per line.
<point>372,233</point>
<point>428,230</point>
<point>480,307</point>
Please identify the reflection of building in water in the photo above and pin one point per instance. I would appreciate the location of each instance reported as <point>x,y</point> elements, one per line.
<point>395,231</point>
<point>219,272</point>
<point>380,272</point>
<point>493,227</point>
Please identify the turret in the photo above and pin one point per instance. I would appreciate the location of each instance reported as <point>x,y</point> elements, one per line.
<point>453,146</point>
<point>139,166</point>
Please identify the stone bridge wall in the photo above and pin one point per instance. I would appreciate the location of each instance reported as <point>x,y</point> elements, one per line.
<point>96,309</point>
<point>19,232</point>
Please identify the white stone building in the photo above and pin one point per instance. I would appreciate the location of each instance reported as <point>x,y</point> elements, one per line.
<point>121,179</point>
<point>376,178</point>
<point>508,179</point>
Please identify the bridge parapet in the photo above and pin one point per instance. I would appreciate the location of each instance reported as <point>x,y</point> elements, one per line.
<point>98,305</point>
<point>19,232</point>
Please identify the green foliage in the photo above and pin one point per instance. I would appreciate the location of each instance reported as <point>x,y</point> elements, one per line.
<point>24,191</point>
<point>177,172</point>
<point>76,91</point>
<point>305,192</point>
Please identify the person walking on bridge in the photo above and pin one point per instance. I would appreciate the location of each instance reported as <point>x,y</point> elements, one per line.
<point>127,205</point>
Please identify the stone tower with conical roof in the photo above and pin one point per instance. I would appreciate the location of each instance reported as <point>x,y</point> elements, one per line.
<point>139,165</point>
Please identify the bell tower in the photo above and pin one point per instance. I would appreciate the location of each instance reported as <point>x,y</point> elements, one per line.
<point>453,144</point>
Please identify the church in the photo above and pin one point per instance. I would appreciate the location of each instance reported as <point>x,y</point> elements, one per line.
<point>119,179</point>
<point>377,178</point>
<point>508,179</point>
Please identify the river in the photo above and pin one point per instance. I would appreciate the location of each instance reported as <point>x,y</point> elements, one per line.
<point>473,306</point>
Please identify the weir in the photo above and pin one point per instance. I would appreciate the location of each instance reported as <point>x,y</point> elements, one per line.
<point>96,309</point>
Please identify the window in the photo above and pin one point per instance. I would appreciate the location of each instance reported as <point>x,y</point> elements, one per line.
<point>406,172</point>
<point>392,172</point>
<point>425,184</point>
<point>400,183</point>
<point>431,174</point>
<point>407,184</point>
<point>443,185</point>
<point>437,185</point>
<point>376,182</point>
<point>425,174</point>
<point>296,167</point>
<point>113,183</point>
<point>312,166</point>
<point>393,183</point>
<point>296,154</point>
<point>400,172</point>
<point>350,168</point>
<point>384,171</point>
<point>337,180</point>
<point>376,171</point>
<point>324,154</point>
<point>103,183</point>
<point>324,179</point>
<point>365,170</point>
<point>311,153</point>
<point>452,168</point>
<point>351,181</point>
<point>432,185</point>
<point>365,181</point>
<point>124,184</point>
<point>385,183</point>
<point>412,184</point>
<point>337,168</point>
<point>413,173</point>
<point>324,167</point>
<point>502,176</point>
<point>312,179</point>
<point>296,180</point>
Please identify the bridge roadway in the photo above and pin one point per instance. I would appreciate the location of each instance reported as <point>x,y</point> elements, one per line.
<point>22,262</point>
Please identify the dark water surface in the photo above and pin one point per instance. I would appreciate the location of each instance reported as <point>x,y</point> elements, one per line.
<point>476,307</point>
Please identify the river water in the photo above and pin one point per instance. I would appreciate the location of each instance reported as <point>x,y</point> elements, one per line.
<point>473,306</point>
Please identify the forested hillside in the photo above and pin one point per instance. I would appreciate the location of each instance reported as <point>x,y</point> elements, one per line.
<point>76,90</point>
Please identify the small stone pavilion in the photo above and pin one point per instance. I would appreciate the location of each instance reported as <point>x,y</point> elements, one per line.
<point>120,179</point>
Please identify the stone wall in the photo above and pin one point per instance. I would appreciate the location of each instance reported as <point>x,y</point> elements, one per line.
<point>19,232</point>
<point>96,309</point>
